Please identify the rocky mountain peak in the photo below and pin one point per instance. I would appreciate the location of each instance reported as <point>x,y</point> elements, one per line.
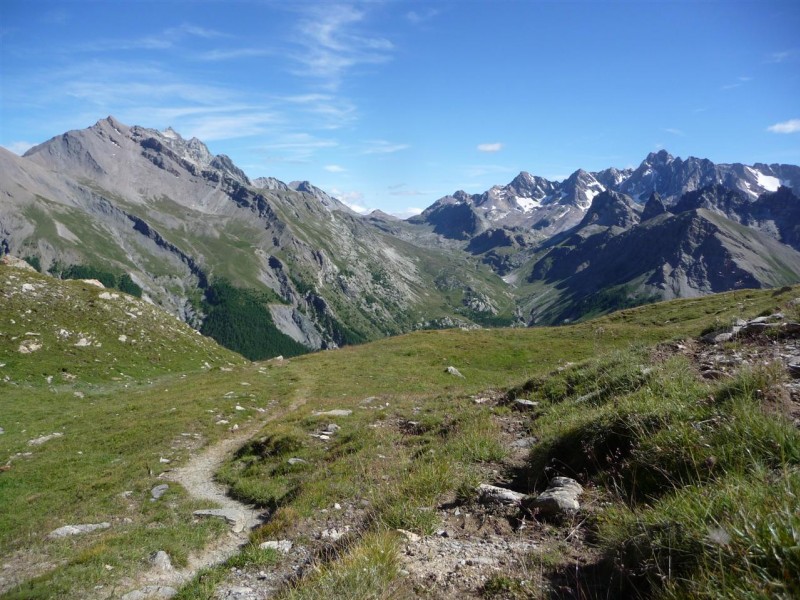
<point>269,183</point>
<point>223,162</point>
<point>462,196</point>
<point>662,157</point>
<point>653,207</point>
<point>611,209</point>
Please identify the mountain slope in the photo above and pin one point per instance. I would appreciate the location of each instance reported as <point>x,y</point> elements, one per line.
<point>611,259</point>
<point>177,218</point>
<point>181,223</point>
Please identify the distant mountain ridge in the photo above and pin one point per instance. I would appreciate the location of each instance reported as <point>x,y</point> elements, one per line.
<point>190,228</point>
<point>549,207</point>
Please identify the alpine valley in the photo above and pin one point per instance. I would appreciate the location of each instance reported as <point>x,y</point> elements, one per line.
<point>238,257</point>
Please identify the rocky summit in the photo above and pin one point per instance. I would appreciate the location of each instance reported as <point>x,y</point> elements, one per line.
<point>289,263</point>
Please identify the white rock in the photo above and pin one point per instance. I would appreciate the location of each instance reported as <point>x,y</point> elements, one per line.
<point>94,282</point>
<point>561,496</point>
<point>409,535</point>
<point>159,491</point>
<point>283,546</point>
<point>29,346</point>
<point>492,494</point>
<point>453,371</point>
<point>45,438</point>
<point>69,530</point>
<point>161,561</point>
<point>334,413</point>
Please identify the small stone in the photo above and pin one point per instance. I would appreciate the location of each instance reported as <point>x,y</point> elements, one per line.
<point>561,496</point>
<point>339,412</point>
<point>492,494</point>
<point>297,461</point>
<point>525,404</point>
<point>164,461</point>
<point>283,546</point>
<point>238,407</point>
<point>526,442</point>
<point>233,517</point>
<point>337,506</point>
<point>70,530</point>
<point>45,438</point>
<point>333,427</point>
<point>159,491</point>
<point>161,561</point>
<point>453,371</point>
<point>334,534</point>
<point>409,535</point>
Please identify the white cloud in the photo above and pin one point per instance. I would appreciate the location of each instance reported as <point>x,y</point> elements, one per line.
<point>408,212</point>
<point>383,147</point>
<point>420,16</point>
<point>674,131</point>
<point>783,56</point>
<point>490,147</point>
<point>334,169</point>
<point>209,128</point>
<point>401,189</point>
<point>20,147</point>
<point>740,81</point>
<point>331,45</point>
<point>236,53</point>
<point>352,200</point>
<point>790,126</point>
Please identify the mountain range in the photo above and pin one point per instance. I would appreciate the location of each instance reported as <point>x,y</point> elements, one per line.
<point>202,239</point>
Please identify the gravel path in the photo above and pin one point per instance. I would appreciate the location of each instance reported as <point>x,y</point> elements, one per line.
<point>197,477</point>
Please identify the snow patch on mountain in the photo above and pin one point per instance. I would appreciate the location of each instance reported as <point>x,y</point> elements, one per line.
<point>769,183</point>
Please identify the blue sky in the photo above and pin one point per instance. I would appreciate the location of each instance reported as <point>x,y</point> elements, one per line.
<point>393,104</point>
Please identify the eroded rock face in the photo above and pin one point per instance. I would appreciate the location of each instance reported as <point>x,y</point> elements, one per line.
<point>560,497</point>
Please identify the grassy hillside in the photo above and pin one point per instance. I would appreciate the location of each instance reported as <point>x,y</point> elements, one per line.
<point>416,439</point>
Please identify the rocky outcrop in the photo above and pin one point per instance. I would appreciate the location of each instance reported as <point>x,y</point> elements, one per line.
<point>560,497</point>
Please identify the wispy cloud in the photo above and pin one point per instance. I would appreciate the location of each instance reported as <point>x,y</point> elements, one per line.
<point>353,200</point>
<point>233,54</point>
<point>383,147</point>
<point>420,16</point>
<point>408,212</point>
<point>331,44</point>
<point>296,147</point>
<point>675,131</point>
<point>783,56</point>
<point>740,81</point>
<point>164,40</point>
<point>334,168</point>
<point>402,189</point>
<point>790,126</point>
<point>210,127</point>
<point>490,147</point>
<point>20,147</point>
